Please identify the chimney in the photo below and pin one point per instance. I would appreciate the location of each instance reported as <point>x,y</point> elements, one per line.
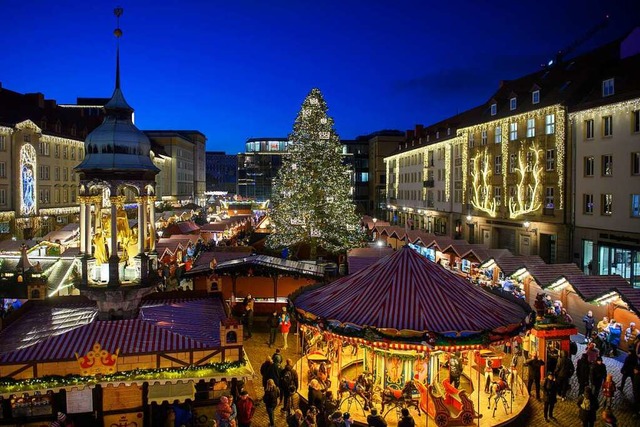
<point>409,134</point>
<point>419,129</point>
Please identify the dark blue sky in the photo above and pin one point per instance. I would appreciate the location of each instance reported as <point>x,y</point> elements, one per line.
<point>240,69</point>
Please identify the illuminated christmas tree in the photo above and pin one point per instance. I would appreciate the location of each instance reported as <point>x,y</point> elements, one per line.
<point>311,198</point>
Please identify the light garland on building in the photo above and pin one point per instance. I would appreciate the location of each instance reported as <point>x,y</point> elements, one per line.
<point>61,211</point>
<point>28,181</point>
<point>606,110</point>
<point>527,201</point>
<point>59,140</point>
<point>447,170</point>
<point>481,175</point>
<point>7,215</point>
<point>5,130</point>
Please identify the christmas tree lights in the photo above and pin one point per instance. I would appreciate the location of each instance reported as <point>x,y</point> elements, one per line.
<point>311,198</point>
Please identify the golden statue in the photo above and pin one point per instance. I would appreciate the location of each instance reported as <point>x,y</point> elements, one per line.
<point>126,237</point>
<point>100,250</point>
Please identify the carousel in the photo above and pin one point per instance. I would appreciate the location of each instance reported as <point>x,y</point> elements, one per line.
<point>407,333</point>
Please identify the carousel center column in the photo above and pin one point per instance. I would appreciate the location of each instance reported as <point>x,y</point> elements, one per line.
<point>151,201</point>
<point>83,226</point>
<point>114,259</point>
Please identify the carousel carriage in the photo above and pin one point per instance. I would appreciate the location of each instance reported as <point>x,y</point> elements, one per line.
<point>445,404</point>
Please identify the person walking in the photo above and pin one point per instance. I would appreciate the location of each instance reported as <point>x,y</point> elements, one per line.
<point>627,368</point>
<point>270,399</point>
<point>589,324</point>
<point>246,409</point>
<point>534,374</point>
<point>563,373</point>
<point>588,406</point>
<point>608,391</point>
<point>526,345</point>
<point>598,375</point>
<point>315,395</point>
<point>583,373</point>
<point>265,369</point>
<point>248,312</point>
<point>615,333</point>
<point>406,420</point>
<point>550,390</point>
<point>296,419</point>
<point>288,386</point>
<point>272,322</point>
<point>284,323</point>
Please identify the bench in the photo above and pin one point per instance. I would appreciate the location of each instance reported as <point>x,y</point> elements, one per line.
<point>452,397</point>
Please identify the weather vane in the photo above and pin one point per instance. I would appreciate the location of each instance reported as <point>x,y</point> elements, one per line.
<point>118,12</point>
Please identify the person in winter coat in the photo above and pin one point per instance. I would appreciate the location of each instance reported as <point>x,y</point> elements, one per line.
<point>627,368</point>
<point>284,323</point>
<point>608,391</point>
<point>592,352</point>
<point>588,404</point>
<point>264,370</point>
<point>296,419</point>
<point>589,324</point>
<point>564,372</point>
<point>270,399</point>
<point>246,409</point>
<point>583,372</point>
<point>375,420</point>
<point>406,420</point>
<point>550,389</point>
<point>272,322</point>
<point>609,419</point>
<point>534,374</point>
<point>288,385</point>
<point>598,375</point>
<point>223,412</point>
<point>315,396</point>
<point>615,333</point>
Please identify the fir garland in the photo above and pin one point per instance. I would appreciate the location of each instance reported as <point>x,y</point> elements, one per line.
<point>10,385</point>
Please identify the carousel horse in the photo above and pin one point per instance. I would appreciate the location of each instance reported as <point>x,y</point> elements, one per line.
<point>361,386</point>
<point>401,398</point>
<point>497,391</point>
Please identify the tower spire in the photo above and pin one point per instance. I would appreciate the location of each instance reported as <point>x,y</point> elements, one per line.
<point>118,33</point>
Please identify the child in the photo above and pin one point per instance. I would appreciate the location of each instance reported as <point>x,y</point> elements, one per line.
<point>609,419</point>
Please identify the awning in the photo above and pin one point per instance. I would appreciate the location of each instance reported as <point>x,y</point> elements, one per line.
<point>179,391</point>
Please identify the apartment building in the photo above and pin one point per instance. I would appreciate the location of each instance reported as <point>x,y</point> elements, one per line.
<point>221,171</point>
<point>605,137</point>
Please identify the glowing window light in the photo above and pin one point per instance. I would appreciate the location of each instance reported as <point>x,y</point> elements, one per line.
<point>607,298</point>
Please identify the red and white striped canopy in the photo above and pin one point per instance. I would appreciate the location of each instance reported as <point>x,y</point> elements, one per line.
<point>406,291</point>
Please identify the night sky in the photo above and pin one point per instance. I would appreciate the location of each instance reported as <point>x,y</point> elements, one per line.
<point>236,69</point>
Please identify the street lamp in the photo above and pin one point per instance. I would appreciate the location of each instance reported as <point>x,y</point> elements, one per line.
<point>379,244</point>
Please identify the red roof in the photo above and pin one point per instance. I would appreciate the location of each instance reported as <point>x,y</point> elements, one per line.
<point>47,333</point>
<point>407,291</point>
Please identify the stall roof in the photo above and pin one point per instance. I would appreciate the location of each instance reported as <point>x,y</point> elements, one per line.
<point>510,264</point>
<point>68,232</point>
<point>203,264</point>
<point>546,274</point>
<point>406,291</point>
<point>49,332</point>
<point>294,267</point>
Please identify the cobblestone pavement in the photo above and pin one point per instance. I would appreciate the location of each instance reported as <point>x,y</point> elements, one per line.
<point>566,413</point>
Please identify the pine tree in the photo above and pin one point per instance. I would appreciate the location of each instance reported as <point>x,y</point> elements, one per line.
<point>311,201</point>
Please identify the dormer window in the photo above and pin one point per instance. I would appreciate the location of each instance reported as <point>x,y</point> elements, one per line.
<point>513,103</point>
<point>535,97</point>
<point>428,137</point>
<point>494,109</point>
<point>438,135</point>
<point>448,131</point>
<point>608,88</point>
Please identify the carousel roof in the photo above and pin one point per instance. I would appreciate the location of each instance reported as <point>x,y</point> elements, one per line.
<point>405,291</point>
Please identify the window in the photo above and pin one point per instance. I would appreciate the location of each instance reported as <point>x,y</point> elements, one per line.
<point>635,205</point>
<point>635,163</point>
<point>589,165</point>
<point>587,204</point>
<point>65,152</point>
<point>635,123</point>
<point>484,137</point>
<point>550,124</point>
<point>535,97</point>
<point>3,143</point>
<point>73,153</point>
<point>607,204</point>
<point>65,175</point>
<point>498,165</point>
<point>548,198</point>
<point>56,151</point>
<point>513,103</point>
<point>513,131</point>
<point>44,195</point>
<point>471,140</point>
<point>3,169</point>
<point>44,172</point>
<point>531,128</point>
<point>497,195</point>
<point>608,88</point>
<point>588,129</point>
<point>494,109</point>
<point>513,162</point>
<point>26,137</point>
<point>607,126</point>
<point>551,159</point>
<point>57,173</point>
<point>43,148</point>
<point>498,135</point>
<point>607,165</point>
<point>3,196</point>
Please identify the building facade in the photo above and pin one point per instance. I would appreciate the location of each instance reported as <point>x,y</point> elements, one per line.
<point>221,171</point>
<point>258,166</point>
<point>181,157</point>
<point>605,136</point>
